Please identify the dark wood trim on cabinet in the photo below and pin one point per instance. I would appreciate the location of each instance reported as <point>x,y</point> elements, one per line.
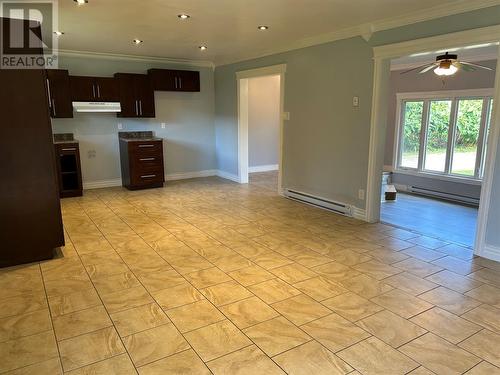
<point>136,95</point>
<point>92,89</point>
<point>59,93</point>
<point>175,80</point>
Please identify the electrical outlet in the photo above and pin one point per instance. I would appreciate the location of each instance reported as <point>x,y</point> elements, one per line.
<point>163,125</point>
<point>286,116</point>
<point>355,101</point>
<point>361,194</point>
<point>91,154</point>
<point>120,126</point>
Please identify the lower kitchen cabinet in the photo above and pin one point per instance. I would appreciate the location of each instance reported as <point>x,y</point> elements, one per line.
<point>142,164</point>
<point>69,170</point>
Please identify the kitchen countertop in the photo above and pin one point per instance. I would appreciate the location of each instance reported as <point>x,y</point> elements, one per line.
<point>141,136</point>
<point>139,139</point>
<point>63,138</point>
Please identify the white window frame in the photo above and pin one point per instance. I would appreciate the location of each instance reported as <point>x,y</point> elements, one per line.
<point>427,97</point>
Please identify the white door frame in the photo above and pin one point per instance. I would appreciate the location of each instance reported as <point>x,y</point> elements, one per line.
<point>242,97</point>
<point>382,57</point>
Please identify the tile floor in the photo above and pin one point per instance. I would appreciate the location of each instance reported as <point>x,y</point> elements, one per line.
<point>207,276</point>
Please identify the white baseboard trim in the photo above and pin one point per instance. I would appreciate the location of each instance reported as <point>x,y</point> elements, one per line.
<point>491,252</point>
<point>263,168</point>
<point>187,175</point>
<point>358,213</point>
<point>102,184</point>
<point>228,176</point>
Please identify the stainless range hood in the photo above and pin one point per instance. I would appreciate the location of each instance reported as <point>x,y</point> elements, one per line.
<point>97,107</point>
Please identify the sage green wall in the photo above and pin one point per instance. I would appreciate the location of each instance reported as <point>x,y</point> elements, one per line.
<point>189,134</point>
<point>326,139</point>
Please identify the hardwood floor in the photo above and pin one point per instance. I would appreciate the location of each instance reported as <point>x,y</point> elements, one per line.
<point>435,218</point>
<point>207,276</point>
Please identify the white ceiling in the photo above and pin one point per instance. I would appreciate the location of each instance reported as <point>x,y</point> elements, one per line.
<point>229,27</point>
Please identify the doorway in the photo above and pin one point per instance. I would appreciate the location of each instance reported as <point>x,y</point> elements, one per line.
<point>260,121</point>
<point>383,56</point>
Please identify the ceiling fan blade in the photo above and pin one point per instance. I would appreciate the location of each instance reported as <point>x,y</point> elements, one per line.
<point>464,67</point>
<point>419,68</point>
<point>475,65</point>
<point>425,70</point>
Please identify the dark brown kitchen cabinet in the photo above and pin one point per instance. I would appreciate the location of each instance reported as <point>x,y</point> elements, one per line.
<point>142,164</point>
<point>68,168</point>
<point>136,95</point>
<point>59,93</point>
<point>91,89</point>
<point>175,80</point>
<point>30,212</point>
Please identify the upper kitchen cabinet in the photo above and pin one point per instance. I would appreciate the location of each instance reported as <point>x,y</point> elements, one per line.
<point>136,95</point>
<point>89,89</point>
<point>175,80</point>
<point>59,93</point>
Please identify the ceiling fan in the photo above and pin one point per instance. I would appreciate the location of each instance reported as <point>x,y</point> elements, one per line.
<point>447,65</point>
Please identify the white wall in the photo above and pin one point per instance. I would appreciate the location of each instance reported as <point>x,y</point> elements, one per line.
<point>263,120</point>
<point>189,144</point>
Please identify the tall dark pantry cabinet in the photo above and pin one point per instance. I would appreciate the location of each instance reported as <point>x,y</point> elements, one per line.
<point>30,213</point>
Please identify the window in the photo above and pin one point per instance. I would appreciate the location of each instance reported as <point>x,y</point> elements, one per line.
<point>444,132</point>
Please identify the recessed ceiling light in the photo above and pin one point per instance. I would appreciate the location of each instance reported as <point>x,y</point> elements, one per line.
<point>58,33</point>
<point>137,41</point>
<point>81,2</point>
<point>203,48</point>
<point>262,27</point>
<point>183,16</point>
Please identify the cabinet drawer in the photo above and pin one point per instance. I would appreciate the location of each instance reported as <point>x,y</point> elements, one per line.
<point>145,148</point>
<point>149,176</point>
<point>141,162</point>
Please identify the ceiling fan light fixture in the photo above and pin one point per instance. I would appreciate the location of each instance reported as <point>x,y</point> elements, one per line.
<point>445,68</point>
<point>81,2</point>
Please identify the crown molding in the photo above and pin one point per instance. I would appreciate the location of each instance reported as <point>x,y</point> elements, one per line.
<point>366,30</point>
<point>124,57</point>
<point>477,58</point>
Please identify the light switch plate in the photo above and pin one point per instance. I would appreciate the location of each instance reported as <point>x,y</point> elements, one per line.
<point>120,126</point>
<point>355,101</point>
<point>286,116</point>
<point>163,125</point>
<point>361,194</point>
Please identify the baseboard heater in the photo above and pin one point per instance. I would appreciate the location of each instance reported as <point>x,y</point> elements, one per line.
<point>339,208</point>
<point>443,195</point>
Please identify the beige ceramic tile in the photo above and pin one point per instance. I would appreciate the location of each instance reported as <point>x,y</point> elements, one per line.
<point>155,343</point>
<point>301,309</point>
<point>447,299</point>
<point>312,358</point>
<point>251,275</point>
<point>410,283</point>
<point>423,253</point>
<point>446,325</point>
<point>185,363</point>
<point>418,267</point>
<point>462,267</point>
<point>439,356</point>
<point>126,299</point>
<point>22,304</point>
<point>293,273</point>
<point>27,350</point>
<point>351,306</point>
<point>486,316</point>
<point>116,283</point>
<point>401,303</point>
<point>486,294</point>
<point>274,290</point>
<point>366,286</point>
<point>485,345</point>
<point>232,262</point>
<point>176,296</point>
<point>195,315</point>
<point>225,293</point>
<point>80,322</point>
<point>27,324</point>
<point>484,368</point>
<point>335,271</point>
<point>120,364</point>
<point>49,367</point>
<point>377,270</point>
<point>391,328</point>
<point>350,257</point>
<point>373,356</point>
<point>206,278</point>
<point>320,288</point>
<point>89,348</point>
<point>248,312</point>
<point>248,361</point>
<point>276,336</point>
<point>216,340</point>
<point>161,280</point>
<point>139,319</point>
<point>68,303</point>
<point>66,286</point>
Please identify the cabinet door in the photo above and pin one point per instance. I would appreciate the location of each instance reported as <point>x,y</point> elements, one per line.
<point>145,96</point>
<point>188,80</point>
<point>60,93</point>
<point>82,89</point>
<point>128,99</point>
<point>106,89</point>
<point>163,79</point>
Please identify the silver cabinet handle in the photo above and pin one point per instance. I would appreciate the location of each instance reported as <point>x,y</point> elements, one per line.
<point>140,106</point>
<point>180,82</point>
<point>93,90</point>
<point>142,146</point>
<point>48,91</point>
<point>53,107</point>
<point>147,159</point>
<point>136,108</point>
<point>148,176</point>
<point>69,149</point>
<point>98,91</point>
<point>176,82</point>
